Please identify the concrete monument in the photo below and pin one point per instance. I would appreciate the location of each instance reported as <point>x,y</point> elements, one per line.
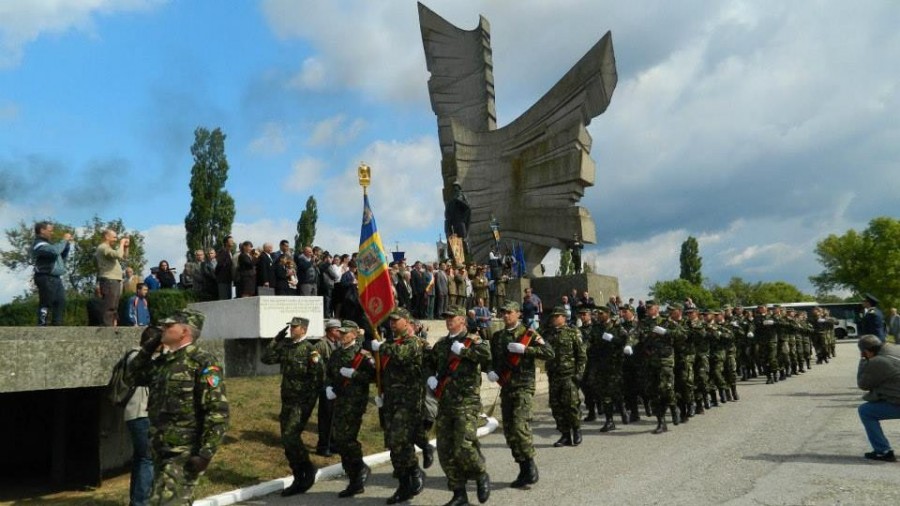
<point>530,174</point>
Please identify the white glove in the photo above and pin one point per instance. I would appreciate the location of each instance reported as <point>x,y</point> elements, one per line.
<point>768,322</point>
<point>735,324</point>
<point>607,336</point>
<point>379,401</point>
<point>659,330</point>
<point>516,348</point>
<point>821,320</point>
<point>457,347</point>
<point>347,372</point>
<point>375,345</point>
<point>432,383</point>
<point>492,377</point>
<point>749,334</point>
<point>627,350</point>
<point>329,394</point>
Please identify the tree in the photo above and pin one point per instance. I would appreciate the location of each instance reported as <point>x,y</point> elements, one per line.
<point>778,291</point>
<point>306,225</point>
<point>81,267</point>
<point>212,209</point>
<point>677,290</point>
<point>691,261</point>
<point>566,265</point>
<point>866,262</point>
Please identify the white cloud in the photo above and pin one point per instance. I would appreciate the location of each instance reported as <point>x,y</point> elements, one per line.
<point>271,141</point>
<point>772,255</point>
<point>24,22</point>
<point>311,76</point>
<point>305,173</point>
<point>335,131</point>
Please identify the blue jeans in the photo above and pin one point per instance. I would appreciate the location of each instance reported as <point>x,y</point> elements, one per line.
<point>141,462</point>
<point>871,414</point>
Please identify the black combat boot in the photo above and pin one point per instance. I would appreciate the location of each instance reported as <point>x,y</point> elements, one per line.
<point>609,425</point>
<point>734,395</point>
<point>521,480</point>
<point>698,409</point>
<point>647,410</point>
<point>417,481</point>
<point>427,456</point>
<point>794,369</point>
<point>532,472</point>
<point>753,373</point>
<point>304,477</point>
<point>403,492</point>
<point>483,486</point>
<point>683,412</point>
<point>782,375</point>
<point>713,400</point>
<point>576,437</point>
<point>592,414</point>
<point>727,394</point>
<point>745,374</point>
<point>460,498</point>
<point>808,366</point>
<point>660,425</point>
<point>357,483</point>
<point>705,401</point>
<point>621,409</point>
<point>675,419</point>
<point>564,440</point>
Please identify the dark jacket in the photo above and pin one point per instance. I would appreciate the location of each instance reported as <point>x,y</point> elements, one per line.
<point>880,375</point>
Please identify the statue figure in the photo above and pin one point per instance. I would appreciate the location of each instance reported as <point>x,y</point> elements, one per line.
<point>576,248</point>
<point>457,214</point>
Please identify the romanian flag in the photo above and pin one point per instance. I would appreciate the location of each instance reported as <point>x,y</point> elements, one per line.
<point>374,280</point>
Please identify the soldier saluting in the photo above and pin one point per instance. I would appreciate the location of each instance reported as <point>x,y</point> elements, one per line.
<point>513,351</point>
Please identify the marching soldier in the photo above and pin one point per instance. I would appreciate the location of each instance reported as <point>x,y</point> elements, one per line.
<point>657,336</point>
<point>590,400</point>
<point>302,375</point>
<point>684,364</point>
<point>513,351</point>
<point>767,336</point>
<point>350,370</point>
<point>608,346</point>
<point>458,362</point>
<point>564,372</point>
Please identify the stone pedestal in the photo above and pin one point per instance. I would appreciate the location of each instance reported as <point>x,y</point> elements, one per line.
<point>254,317</point>
<point>551,289</point>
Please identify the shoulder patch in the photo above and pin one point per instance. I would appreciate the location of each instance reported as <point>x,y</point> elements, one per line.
<point>211,375</point>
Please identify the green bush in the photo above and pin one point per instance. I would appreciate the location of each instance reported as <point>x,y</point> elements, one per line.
<point>23,312</point>
<point>165,302</point>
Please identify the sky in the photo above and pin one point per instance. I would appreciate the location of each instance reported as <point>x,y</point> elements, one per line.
<point>758,127</point>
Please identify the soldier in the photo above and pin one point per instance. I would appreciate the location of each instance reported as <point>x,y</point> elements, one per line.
<point>187,407</point>
<point>719,336</point>
<point>782,328</point>
<point>609,344</point>
<point>324,415</point>
<point>658,336</point>
<point>401,404</point>
<point>684,364</point>
<point>820,338</point>
<point>302,375</point>
<point>350,370</point>
<point>699,340</point>
<point>564,372</point>
<point>458,361</point>
<point>731,332</point>
<point>459,279</point>
<point>767,336</point>
<point>513,351</point>
<point>590,367</point>
<point>632,367</point>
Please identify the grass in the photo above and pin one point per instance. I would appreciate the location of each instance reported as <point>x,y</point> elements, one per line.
<point>251,453</point>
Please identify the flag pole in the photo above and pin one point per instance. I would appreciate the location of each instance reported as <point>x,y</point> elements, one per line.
<point>364,172</point>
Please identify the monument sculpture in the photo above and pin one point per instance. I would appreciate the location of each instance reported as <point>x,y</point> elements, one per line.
<point>530,174</point>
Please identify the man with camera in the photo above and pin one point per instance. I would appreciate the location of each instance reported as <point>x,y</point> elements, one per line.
<point>109,273</point>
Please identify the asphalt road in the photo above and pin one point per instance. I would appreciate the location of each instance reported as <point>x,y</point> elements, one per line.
<point>792,443</point>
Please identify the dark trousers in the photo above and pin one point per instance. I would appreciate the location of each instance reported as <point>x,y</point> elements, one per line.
<point>111,292</point>
<point>224,291</point>
<point>52,299</point>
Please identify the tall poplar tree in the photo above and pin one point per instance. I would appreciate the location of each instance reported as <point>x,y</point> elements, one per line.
<point>212,208</point>
<point>691,261</point>
<point>306,225</point>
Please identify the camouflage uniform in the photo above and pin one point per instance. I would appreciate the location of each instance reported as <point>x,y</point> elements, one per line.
<point>783,327</point>
<point>684,369</point>
<point>633,370</point>
<point>700,334</point>
<point>516,395</point>
<point>606,356</point>
<point>188,412</point>
<point>819,342</point>
<point>564,372</point>
<point>302,378</point>
<point>767,336</point>
<point>351,402</point>
<point>720,336</point>
<point>658,347</point>
<point>401,413</point>
<point>459,406</point>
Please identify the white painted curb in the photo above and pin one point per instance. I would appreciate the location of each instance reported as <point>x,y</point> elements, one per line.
<point>326,473</point>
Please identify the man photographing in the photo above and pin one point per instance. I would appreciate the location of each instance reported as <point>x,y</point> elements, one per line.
<point>879,375</point>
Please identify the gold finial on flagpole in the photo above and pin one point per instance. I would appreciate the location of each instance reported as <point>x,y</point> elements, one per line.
<point>365,176</point>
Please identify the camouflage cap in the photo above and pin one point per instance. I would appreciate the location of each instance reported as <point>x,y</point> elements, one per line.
<point>586,309</point>
<point>190,317</point>
<point>454,311</point>
<point>332,323</point>
<point>676,305</point>
<point>511,306</point>
<point>399,313</point>
<point>727,307</point>
<point>625,307</point>
<point>348,326</point>
<point>558,311</point>
<point>299,321</point>
<point>651,302</point>
<point>691,309</point>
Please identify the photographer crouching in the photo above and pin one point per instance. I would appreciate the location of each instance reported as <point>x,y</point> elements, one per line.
<point>879,375</point>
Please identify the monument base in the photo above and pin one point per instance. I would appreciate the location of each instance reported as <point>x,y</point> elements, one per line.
<point>551,289</point>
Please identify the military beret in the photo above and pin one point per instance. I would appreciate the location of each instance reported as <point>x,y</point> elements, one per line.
<point>675,305</point>
<point>332,323</point>
<point>454,311</point>
<point>348,326</point>
<point>726,307</point>
<point>586,309</point>
<point>651,302</point>
<point>558,310</point>
<point>190,317</point>
<point>299,321</point>
<point>602,309</point>
<point>871,299</point>
<point>626,307</point>
<point>511,306</point>
<point>399,313</point>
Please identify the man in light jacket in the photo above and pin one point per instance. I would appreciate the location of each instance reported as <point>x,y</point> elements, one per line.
<point>879,375</point>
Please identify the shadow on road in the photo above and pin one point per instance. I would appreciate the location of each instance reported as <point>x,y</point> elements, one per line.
<point>812,458</point>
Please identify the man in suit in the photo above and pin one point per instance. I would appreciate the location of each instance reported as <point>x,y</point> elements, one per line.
<point>265,267</point>
<point>873,319</point>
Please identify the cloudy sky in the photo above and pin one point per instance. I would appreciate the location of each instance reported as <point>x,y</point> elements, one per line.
<point>758,127</point>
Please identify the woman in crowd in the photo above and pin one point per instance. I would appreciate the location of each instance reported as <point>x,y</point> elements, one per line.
<point>165,275</point>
